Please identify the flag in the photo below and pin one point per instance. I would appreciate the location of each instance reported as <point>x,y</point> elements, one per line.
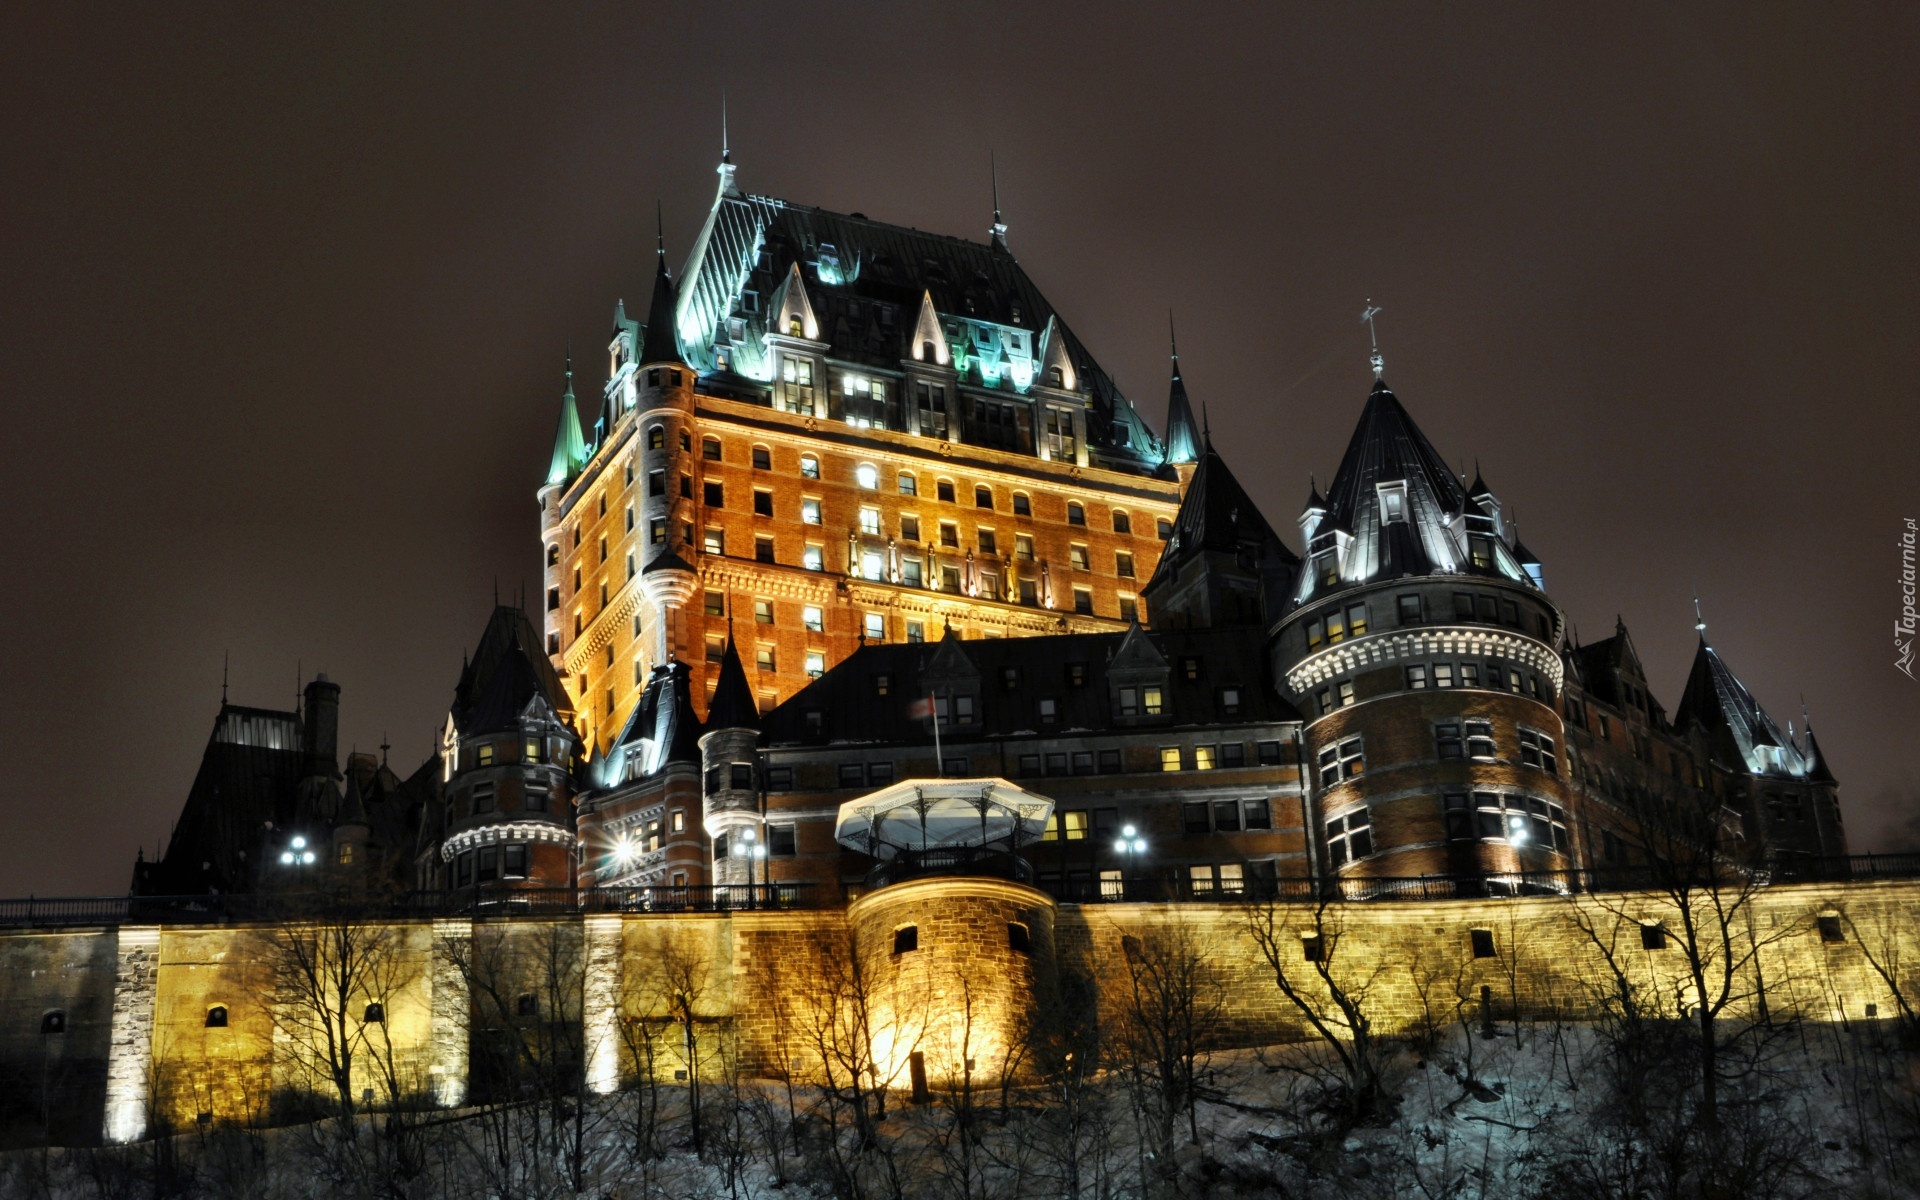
<point>921,709</point>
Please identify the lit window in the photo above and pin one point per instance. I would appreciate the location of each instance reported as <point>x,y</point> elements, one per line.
<point>813,619</point>
<point>1150,701</point>
<point>1170,758</point>
<point>814,559</point>
<point>916,631</point>
<point>1074,825</point>
<point>908,485</point>
<point>866,476</point>
<point>1023,547</point>
<point>809,467</point>
<point>715,541</point>
<point>1416,676</point>
<point>872,565</point>
<point>1203,758</point>
<point>876,627</point>
<point>763,612</point>
<point>810,511</point>
<point>870,521</point>
<point>763,658</point>
<point>1350,837</point>
<point>816,664</point>
<point>1342,761</point>
<point>1077,555</point>
<point>1443,675</point>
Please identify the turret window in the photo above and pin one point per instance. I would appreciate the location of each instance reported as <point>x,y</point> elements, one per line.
<point>1463,739</point>
<point>483,797</point>
<point>1409,607</point>
<point>657,438</point>
<point>1349,838</point>
<point>1480,552</point>
<point>1416,676</point>
<point>1536,750</point>
<point>1344,760</point>
<point>1393,503</point>
<point>513,862</point>
<point>656,483</point>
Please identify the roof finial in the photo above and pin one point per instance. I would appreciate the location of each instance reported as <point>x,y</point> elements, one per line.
<point>998,232</point>
<point>386,744</point>
<point>1367,315</point>
<point>726,151</point>
<point>1173,340</point>
<point>569,390</point>
<point>659,228</point>
<point>1206,425</point>
<point>226,658</point>
<point>1699,621</point>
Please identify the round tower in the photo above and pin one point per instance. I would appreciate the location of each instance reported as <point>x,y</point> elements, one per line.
<point>730,777</point>
<point>1423,656</point>
<point>663,413</point>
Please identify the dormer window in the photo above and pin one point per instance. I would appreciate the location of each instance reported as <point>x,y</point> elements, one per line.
<point>1393,503</point>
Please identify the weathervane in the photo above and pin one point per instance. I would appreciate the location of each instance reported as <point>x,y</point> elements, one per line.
<point>1699,621</point>
<point>1367,315</point>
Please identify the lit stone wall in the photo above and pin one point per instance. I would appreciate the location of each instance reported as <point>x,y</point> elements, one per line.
<point>763,983</point>
<point>130,1055</point>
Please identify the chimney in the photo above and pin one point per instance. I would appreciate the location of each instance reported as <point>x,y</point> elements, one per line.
<point>322,732</point>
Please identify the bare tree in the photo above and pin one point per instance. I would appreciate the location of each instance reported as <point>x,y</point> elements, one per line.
<point>334,980</point>
<point>1301,946</point>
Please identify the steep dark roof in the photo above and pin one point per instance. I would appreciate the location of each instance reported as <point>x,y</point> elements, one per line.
<point>853,710</point>
<point>865,280</point>
<point>1388,447</point>
<point>1717,703</point>
<point>732,706</point>
<point>507,671</point>
<point>662,730</point>
<point>661,345</point>
<point>246,788</point>
<point>1217,514</point>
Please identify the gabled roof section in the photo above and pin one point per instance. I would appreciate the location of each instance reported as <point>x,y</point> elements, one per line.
<point>951,663</point>
<point>1075,670</point>
<point>1137,652</point>
<point>1217,514</point>
<point>247,783</point>
<point>1719,704</point>
<point>733,705</point>
<point>661,346</point>
<point>662,731</point>
<point>507,673</point>
<point>865,281</point>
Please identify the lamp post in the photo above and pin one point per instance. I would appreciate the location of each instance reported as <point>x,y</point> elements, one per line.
<point>1132,845</point>
<point>297,853</point>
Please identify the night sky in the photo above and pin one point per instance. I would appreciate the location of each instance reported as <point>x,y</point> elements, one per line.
<point>285,296</point>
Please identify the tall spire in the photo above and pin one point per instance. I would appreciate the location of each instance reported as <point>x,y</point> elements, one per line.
<point>1699,621</point>
<point>661,345</point>
<point>998,232</point>
<point>1183,441</point>
<point>726,169</point>
<point>569,448</point>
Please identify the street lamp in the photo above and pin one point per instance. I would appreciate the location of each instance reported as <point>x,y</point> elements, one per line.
<point>1131,844</point>
<point>297,854</point>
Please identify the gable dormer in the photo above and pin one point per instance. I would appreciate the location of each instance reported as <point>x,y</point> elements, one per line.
<point>1139,681</point>
<point>1056,366</point>
<point>929,344</point>
<point>953,679</point>
<point>792,310</point>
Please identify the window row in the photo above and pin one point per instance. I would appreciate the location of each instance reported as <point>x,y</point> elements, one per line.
<point>489,863</point>
<point>1474,739</point>
<point>1501,816</point>
<point>1493,673</point>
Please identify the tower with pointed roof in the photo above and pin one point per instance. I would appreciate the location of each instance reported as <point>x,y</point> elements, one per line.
<point>1425,661</point>
<point>508,752</point>
<point>730,773</point>
<point>854,431</point>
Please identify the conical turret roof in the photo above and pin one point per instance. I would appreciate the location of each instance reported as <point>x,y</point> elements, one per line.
<point>1183,437</point>
<point>569,448</point>
<point>1217,514</point>
<point>506,672</point>
<point>662,345</point>
<point>733,706</point>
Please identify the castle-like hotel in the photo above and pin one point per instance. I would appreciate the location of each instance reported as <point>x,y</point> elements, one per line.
<point>859,508</point>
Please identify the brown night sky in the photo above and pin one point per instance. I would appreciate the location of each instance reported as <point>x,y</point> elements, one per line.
<point>284,299</point>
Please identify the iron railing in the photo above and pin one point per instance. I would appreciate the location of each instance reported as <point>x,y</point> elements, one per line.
<point>491,901</point>
<point>46,911</point>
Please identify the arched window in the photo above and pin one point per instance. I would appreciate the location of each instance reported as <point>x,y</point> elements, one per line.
<point>710,449</point>
<point>867,476</point>
<point>982,496</point>
<point>657,437</point>
<point>795,327</point>
<point>1022,505</point>
<point>1122,523</point>
<point>1076,513</point>
<point>217,1017</point>
<point>54,1020</point>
